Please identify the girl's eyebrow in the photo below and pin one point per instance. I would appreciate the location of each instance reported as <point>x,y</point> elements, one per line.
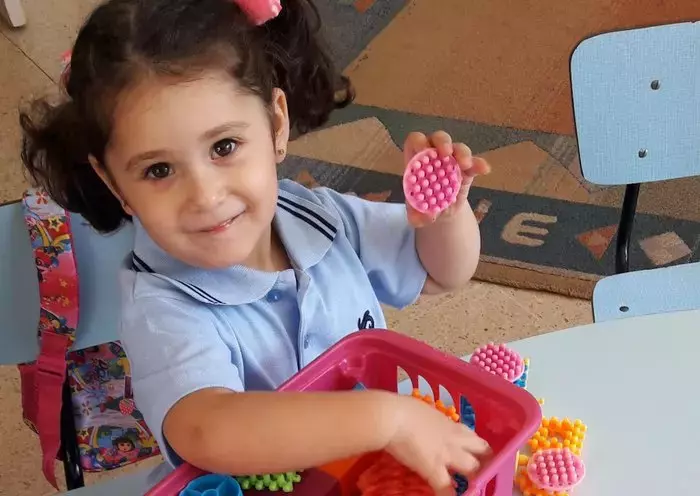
<point>133,161</point>
<point>227,126</point>
<point>208,135</point>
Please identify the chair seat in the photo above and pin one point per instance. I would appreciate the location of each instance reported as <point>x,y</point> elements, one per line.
<point>646,292</point>
<point>98,259</point>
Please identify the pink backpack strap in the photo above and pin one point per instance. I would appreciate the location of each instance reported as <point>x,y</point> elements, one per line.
<point>50,233</point>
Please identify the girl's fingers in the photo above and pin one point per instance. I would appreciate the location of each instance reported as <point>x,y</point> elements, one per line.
<point>473,443</point>
<point>415,142</point>
<point>479,167</point>
<point>464,463</point>
<point>441,482</point>
<point>443,142</point>
<point>449,491</point>
<point>463,155</point>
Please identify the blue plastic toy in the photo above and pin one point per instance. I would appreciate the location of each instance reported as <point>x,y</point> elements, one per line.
<point>213,485</point>
<point>522,382</point>
<point>461,484</point>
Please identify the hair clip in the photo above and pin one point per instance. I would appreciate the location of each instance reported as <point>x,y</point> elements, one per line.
<point>65,67</point>
<point>260,11</point>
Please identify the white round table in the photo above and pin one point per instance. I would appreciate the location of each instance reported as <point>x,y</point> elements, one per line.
<point>633,382</point>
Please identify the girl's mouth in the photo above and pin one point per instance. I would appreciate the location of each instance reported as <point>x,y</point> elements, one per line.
<point>219,228</point>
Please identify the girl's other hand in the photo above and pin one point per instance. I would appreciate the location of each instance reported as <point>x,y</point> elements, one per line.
<point>431,445</point>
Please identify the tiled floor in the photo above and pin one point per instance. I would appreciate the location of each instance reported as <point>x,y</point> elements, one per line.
<point>29,66</point>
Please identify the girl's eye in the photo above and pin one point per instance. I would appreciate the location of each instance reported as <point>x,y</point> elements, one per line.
<point>158,171</point>
<point>223,148</point>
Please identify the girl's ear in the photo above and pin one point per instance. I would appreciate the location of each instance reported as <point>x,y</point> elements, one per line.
<point>280,123</point>
<point>104,175</point>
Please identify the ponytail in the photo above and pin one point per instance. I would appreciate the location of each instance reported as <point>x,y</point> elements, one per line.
<point>55,154</point>
<point>303,66</point>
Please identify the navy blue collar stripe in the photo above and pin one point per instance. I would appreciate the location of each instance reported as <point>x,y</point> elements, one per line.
<point>308,211</point>
<point>139,265</point>
<point>135,267</point>
<point>202,293</point>
<point>308,221</point>
<point>137,262</point>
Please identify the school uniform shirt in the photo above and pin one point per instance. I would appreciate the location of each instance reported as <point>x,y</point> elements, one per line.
<point>186,329</point>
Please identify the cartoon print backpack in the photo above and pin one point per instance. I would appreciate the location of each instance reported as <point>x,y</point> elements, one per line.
<point>111,431</point>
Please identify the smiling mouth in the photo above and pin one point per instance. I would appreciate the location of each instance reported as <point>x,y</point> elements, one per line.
<point>221,227</point>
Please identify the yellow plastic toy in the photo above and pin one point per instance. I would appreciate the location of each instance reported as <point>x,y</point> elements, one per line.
<point>553,433</point>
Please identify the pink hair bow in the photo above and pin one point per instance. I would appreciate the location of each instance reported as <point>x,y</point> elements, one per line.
<point>65,67</point>
<point>260,11</point>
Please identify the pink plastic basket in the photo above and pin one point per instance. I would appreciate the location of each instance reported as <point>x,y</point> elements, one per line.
<point>506,415</point>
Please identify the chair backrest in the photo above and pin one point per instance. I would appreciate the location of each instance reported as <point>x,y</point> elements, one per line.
<point>98,258</point>
<point>636,97</point>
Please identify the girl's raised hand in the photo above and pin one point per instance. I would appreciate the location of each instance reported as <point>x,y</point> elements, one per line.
<point>469,165</point>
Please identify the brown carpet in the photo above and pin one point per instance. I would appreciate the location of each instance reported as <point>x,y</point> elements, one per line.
<point>502,62</point>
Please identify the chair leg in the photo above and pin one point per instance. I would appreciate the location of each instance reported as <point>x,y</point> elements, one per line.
<point>69,443</point>
<point>12,11</point>
<point>624,230</point>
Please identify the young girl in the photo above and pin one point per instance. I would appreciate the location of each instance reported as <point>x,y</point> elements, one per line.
<point>177,113</point>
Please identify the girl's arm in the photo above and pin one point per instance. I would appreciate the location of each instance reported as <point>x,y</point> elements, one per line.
<point>268,432</point>
<point>448,245</point>
<point>449,250</point>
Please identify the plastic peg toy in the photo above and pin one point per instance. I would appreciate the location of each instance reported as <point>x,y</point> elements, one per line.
<point>213,485</point>
<point>387,477</point>
<point>499,360</point>
<point>555,433</point>
<point>430,182</point>
<point>522,382</point>
<point>467,414</point>
<point>272,482</point>
<point>555,469</point>
<point>449,411</point>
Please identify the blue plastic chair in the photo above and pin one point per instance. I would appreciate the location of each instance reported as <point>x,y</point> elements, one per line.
<point>98,258</point>
<point>636,97</point>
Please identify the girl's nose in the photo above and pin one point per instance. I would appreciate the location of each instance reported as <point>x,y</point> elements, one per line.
<point>207,188</point>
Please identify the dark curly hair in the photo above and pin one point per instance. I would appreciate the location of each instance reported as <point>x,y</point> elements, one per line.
<point>124,40</point>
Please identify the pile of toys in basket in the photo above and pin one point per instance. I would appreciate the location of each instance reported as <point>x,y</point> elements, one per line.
<point>498,407</point>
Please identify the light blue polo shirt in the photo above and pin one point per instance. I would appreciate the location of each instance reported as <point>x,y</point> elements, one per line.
<point>185,328</point>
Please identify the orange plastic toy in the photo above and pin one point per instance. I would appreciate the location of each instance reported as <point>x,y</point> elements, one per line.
<point>450,412</point>
<point>388,477</point>
<point>347,472</point>
<point>527,487</point>
<point>553,433</point>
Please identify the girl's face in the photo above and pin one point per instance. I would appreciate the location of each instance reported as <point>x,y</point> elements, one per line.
<point>195,162</point>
